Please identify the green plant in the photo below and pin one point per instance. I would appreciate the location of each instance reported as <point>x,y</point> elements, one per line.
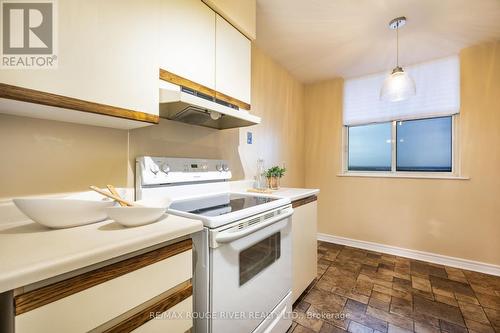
<point>275,171</point>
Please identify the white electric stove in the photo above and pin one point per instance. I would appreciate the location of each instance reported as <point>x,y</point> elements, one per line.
<point>242,263</point>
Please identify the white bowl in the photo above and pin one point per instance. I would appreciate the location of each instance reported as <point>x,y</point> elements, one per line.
<point>63,212</point>
<point>136,215</point>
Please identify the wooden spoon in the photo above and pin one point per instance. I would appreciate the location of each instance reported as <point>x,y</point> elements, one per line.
<point>113,191</point>
<point>112,196</point>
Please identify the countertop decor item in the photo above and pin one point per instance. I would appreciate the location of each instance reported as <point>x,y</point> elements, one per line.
<point>113,191</point>
<point>260,181</point>
<point>273,176</point>
<point>141,212</point>
<point>399,85</point>
<point>58,213</point>
<point>263,191</point>
<point>117,198</point>
<point>135,216</point>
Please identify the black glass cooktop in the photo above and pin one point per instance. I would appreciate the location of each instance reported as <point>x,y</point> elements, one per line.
<point>219,204</point>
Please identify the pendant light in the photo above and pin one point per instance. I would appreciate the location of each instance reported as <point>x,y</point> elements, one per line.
<point>398,86</point>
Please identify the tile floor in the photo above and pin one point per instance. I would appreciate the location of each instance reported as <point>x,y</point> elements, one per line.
<point>366,292</point>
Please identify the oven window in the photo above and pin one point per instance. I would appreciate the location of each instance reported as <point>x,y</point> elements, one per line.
<point>259,256</point>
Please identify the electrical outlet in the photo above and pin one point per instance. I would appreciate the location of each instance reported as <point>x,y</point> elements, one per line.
<point>249,138</point>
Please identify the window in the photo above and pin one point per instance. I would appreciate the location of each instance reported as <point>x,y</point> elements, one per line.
<point>370,147</point>
<point>423,145</point>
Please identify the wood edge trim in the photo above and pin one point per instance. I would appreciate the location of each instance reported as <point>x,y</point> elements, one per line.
<point>304,201</point>
<point>48,99</point>
<point>229,99</point>
<point>160,306</point>
<point>181,81</point>
<point>56,291</point>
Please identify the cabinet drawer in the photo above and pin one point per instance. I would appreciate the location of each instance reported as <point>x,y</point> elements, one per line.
<point>175,320</point>
<point>115,292</point>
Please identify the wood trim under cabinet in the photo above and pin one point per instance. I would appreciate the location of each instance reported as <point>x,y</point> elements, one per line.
<point>304,201</point>
<point>160,306</point>
<point>234,101</point>
<point>44,98</point>
<point>180,81</point>
<point>51,293</point>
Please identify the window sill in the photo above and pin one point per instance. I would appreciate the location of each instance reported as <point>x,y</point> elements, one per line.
<point>401,175</point>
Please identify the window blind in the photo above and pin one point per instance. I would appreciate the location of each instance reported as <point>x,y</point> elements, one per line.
<point>438,94</point>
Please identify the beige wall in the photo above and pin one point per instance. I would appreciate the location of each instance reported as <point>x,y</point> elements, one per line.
<point>278,99</point>
<point>459,218</point>
<point>42,156</point>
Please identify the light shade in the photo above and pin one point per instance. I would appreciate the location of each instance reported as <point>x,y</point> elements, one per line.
<point>398,86</point>
<point>438,94</point>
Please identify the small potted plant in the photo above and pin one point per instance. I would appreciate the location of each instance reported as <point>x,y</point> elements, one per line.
<point>273,176</point>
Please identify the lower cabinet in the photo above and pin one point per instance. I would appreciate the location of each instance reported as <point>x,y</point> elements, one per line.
<point>304,244</point>
<point>124,296</point>
<point>172,320</point>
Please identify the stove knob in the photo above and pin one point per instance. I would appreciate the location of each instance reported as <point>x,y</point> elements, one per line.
<point>165,168</point>
<point>204,167</point>
<point>154,168</point>
<point>225,167</point>
<point>218,167</point>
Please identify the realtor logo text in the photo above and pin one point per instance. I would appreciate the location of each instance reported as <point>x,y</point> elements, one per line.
<point>28,34</point>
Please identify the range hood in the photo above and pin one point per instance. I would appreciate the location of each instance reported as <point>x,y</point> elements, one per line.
<point>189,106</point>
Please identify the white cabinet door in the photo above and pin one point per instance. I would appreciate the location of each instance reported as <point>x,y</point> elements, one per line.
<point>304,247</point>
<point>232,61</point>
<point>107,53</point>
<point>187,40</point>
<point>241,14</point>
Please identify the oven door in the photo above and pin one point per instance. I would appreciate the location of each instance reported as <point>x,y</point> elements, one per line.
<point>250,270</point>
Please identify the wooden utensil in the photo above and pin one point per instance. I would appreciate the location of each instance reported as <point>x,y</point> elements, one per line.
<point>256,190</point>
<point>112,196</point>
<point>113,191</point>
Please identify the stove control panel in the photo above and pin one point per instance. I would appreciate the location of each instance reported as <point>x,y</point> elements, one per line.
<point>167,170</point>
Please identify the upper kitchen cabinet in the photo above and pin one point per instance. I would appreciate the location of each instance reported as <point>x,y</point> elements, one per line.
<point>241,14</point>
<point>107,71</point>
<point>187,40</point>
<point>232,63</point>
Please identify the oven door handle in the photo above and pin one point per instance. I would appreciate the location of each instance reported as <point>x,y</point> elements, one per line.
<point>229,236</point>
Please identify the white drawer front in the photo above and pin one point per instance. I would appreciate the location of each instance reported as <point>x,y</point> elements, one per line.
<point>163,324</point>
<point>92,307</point>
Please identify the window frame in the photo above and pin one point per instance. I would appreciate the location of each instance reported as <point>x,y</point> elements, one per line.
<point>455,156</point>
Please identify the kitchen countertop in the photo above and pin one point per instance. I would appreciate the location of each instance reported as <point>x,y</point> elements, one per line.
<point>30,252</point>
<point>284,192</point>
<point>295,193</point>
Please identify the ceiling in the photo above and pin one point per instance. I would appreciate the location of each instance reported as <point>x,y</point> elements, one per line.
<point>322,39</point>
